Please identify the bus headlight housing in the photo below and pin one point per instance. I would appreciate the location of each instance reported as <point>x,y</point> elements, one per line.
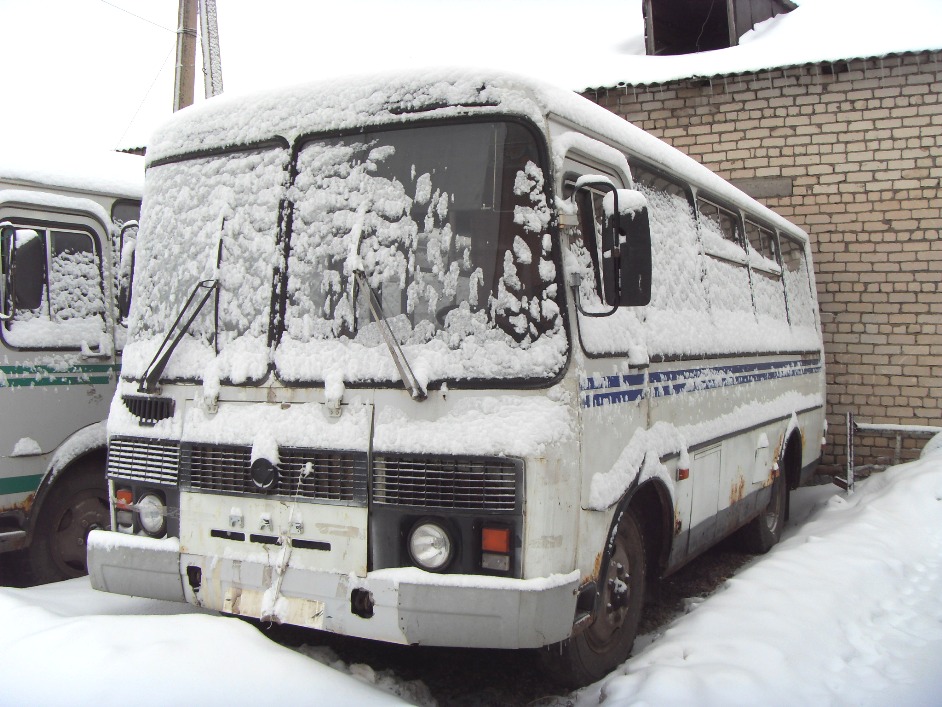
<point>152,513</point>
<point>430,545</point>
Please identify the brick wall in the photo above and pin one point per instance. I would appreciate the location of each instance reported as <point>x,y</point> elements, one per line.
<point>852,153</point>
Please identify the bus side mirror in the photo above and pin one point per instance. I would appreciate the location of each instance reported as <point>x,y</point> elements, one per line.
<point>7,251</point>
<point>626,212</point>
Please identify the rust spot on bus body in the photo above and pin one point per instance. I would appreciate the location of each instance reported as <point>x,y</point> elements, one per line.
<point>738,491</point>
<point>595,570</point>
<point>24,506</point>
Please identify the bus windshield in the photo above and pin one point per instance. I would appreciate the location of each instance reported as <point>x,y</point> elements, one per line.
<point>448,222</point>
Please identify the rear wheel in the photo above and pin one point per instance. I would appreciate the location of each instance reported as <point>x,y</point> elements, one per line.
<point>606,643</point>
<point>765,530</point>
<point>75,506</point>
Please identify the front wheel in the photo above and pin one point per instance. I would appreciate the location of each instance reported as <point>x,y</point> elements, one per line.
<point>606,643</point>
<point>76,505</point>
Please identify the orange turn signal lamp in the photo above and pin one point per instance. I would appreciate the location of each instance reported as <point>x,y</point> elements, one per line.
<point>124,498</point>
<point>495,548</point>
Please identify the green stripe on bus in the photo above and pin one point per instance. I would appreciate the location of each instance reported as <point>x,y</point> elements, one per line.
<point>20,484</point>
<point>38,382</point>
<point>79,368</point>
<point>81,374</point>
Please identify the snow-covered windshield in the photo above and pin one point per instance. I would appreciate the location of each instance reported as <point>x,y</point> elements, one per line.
<point>449,222</point>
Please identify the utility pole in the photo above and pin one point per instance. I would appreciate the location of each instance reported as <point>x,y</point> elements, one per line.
<point>186,55</point>
<point>209,40</point>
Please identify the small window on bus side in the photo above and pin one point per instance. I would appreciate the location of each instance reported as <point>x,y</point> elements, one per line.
<point>768,291</point>
<point>125,214</point>
<point>124,210</point>
<point>798,292</point>
<point>762,248</point>
<point>56,290</point>
<point>720,231</point>
<point>728,285</point>
<point>125,243</point>
<point>591,223</point>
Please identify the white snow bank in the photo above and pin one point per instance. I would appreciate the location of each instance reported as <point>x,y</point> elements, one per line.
<point>847,610</point>
<point>68,644</point>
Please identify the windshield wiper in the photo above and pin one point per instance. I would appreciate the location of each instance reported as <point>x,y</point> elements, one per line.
<point>159,362</point>
<point>399,358</point>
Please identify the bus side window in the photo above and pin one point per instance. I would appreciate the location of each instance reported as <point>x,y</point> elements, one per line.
<point>597,292</point>
<point>720,231</point>
<point>56,290</point>
<point>29,273</point>
<point>768,291</point>
<point>679,304</point>
<point>124,252</point>
<point>797,283</point>
<point>591,223</point>
<point>75,290</point>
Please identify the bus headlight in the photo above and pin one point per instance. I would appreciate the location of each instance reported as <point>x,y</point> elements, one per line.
<point>153,514</point>
<point>430,545</point>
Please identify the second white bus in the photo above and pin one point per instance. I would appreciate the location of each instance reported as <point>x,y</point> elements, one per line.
<point>64,219</point>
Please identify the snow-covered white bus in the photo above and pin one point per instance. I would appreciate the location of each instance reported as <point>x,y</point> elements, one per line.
<point>450,359</point>
<point>62,215</point>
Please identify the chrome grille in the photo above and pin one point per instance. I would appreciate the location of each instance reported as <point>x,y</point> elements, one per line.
<point>151,460</point>
<point>338,476</point>
<point>470,483</point>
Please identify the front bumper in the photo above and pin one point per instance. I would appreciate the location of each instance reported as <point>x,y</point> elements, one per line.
<point>406,605</point>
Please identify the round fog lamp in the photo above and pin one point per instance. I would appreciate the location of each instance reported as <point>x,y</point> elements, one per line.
<point>430,546</point>
<point>152,513</point>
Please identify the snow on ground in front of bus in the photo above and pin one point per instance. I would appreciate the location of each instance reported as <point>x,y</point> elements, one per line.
<point>846,610</point>
<point>65,643</point>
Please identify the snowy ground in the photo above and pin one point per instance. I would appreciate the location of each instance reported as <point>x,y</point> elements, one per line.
<point>846,610</point>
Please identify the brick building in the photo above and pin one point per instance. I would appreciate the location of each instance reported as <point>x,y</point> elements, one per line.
<point>852,152</point>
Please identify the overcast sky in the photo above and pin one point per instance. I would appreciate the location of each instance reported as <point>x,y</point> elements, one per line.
<point>100,74</point>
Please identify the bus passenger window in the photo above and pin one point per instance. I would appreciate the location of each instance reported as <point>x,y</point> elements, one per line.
<point>29,272</point>
<point>763,251</point>
<point>57,296</point>
<point>797,283</point>
<point>679,303</point>
<point>768,292</point>
<point>719,229</point>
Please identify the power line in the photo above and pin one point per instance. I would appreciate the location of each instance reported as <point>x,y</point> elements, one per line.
<point>149,89</point>
<point>144,19</point>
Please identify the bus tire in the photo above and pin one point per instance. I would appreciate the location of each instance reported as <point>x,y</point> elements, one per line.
<point>606,643</point>
<point>76,504</point>
<point>765,530</point>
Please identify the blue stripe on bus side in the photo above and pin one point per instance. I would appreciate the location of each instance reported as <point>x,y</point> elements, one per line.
<point>612,390</point>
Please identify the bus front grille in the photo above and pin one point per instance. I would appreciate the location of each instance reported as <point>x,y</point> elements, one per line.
<point>147,460</point>
<point>456,482</point>
<point>414,480</point>
<point>313,474</point>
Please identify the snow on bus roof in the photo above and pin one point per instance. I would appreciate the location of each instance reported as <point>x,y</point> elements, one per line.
<point>381,99</point>
<point>90,171</point>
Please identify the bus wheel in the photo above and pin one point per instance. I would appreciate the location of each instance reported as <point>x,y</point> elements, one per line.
<point>75,506</point>
<point>606,643</point>
<point>765,530</point>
